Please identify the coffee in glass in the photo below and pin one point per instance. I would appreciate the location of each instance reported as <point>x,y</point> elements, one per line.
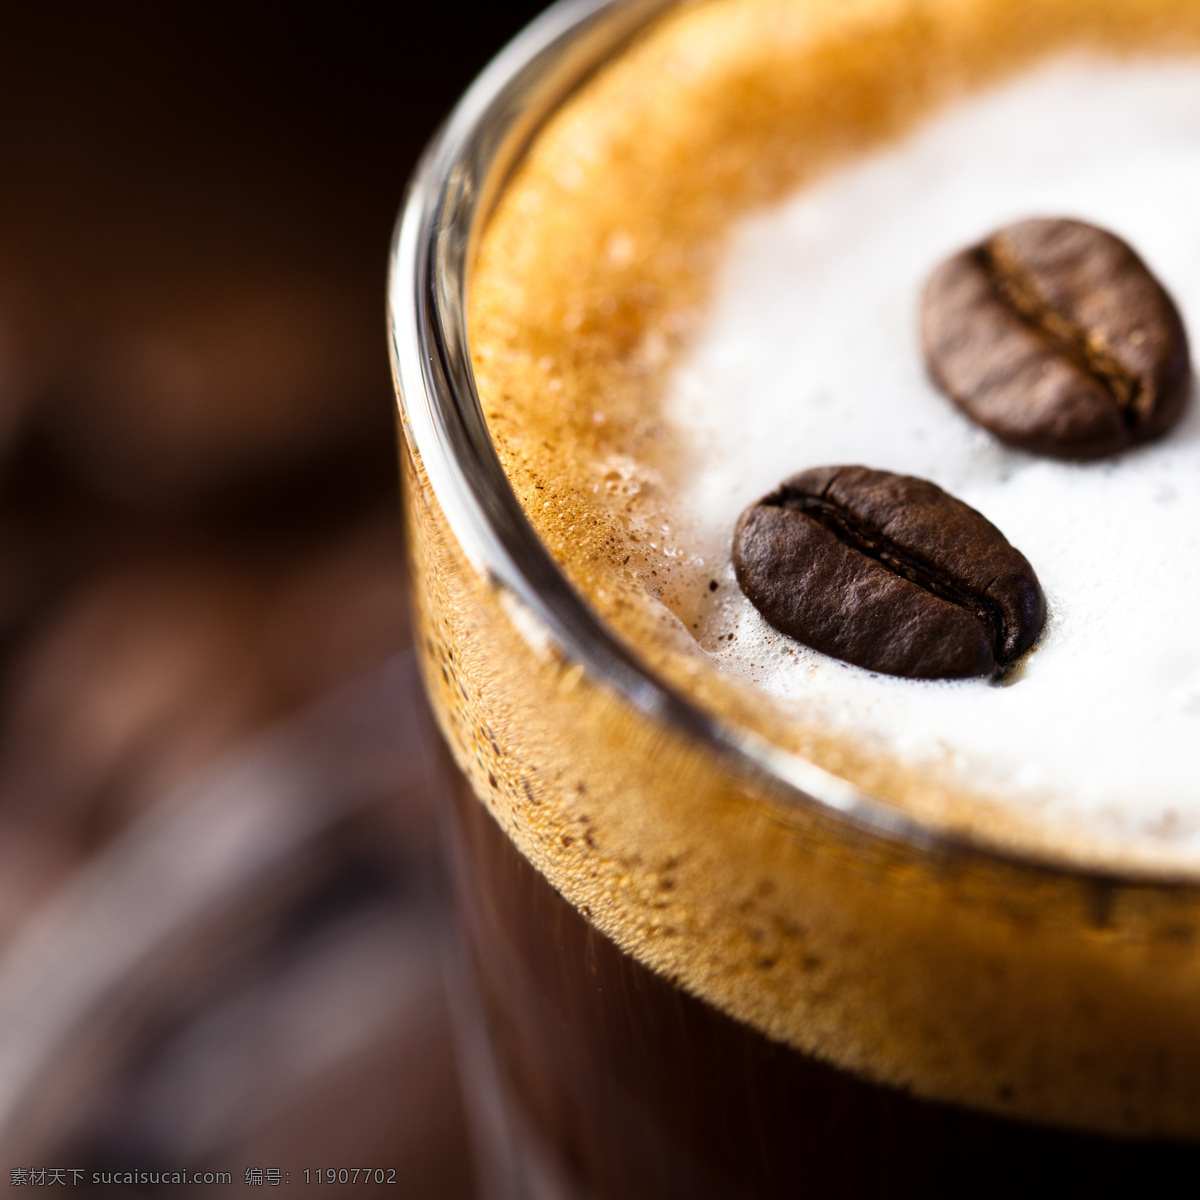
<point>742,914</point>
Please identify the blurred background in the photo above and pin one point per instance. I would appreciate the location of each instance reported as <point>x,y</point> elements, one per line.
<point>220,922</point>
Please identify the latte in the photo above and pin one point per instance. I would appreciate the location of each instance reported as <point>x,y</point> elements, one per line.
<point>703,278</point>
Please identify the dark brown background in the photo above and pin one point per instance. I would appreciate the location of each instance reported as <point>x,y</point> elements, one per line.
<point>198,497</point>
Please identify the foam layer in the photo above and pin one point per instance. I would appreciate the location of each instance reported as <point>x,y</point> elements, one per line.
<point>809,354</point>
<point>646,295</point>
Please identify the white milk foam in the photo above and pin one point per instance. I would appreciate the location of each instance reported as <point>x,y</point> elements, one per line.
<point>810,354</point>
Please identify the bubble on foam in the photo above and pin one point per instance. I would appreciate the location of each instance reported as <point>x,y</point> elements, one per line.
<point>810,354</point>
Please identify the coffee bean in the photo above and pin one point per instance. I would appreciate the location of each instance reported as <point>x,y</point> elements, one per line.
<point>887,572</point>
<point>1054,335</point>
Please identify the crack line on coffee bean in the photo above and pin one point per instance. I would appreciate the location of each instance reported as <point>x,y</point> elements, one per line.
<point>852,531</point>
<point>1015,287</point>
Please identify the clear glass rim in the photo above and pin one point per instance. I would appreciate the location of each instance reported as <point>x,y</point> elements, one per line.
<point>449,200</point>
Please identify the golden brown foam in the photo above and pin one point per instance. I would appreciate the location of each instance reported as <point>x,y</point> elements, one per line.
<point>601,251</point>
<point>964,977</point>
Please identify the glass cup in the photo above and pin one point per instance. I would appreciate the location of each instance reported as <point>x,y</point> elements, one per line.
<point>695,964</point>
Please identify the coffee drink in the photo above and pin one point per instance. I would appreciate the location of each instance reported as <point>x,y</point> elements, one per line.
<point>889,573</point>
<point>620,1083</point>
<point>1056,337</point>
<point>973,902</point>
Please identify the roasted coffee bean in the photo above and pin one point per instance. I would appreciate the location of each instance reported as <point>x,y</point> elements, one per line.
<point>1054,335</point>
<point>887,572</point>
